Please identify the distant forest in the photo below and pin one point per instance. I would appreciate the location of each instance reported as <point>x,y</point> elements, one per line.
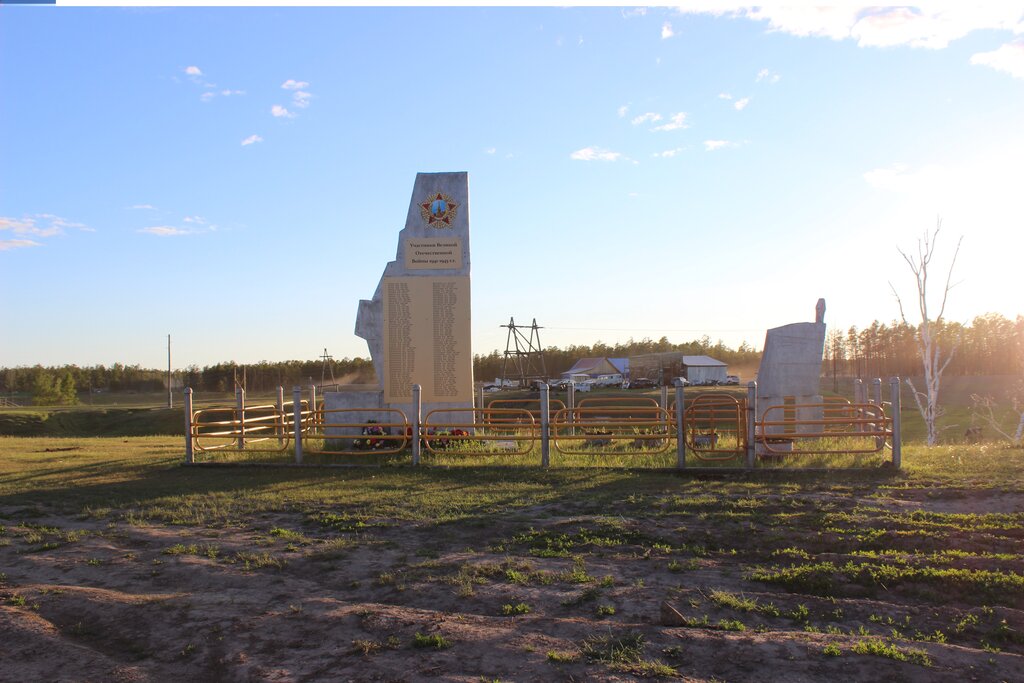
<point>990,345</point>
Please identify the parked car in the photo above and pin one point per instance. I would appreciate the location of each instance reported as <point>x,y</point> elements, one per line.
<point>642,383</point>
<point>490,388</point>
<point>732,379</point>
<point>585,386</point>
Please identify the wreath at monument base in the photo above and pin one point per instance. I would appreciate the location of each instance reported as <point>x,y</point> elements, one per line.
<point>439,439</point>
<point>374,438</point>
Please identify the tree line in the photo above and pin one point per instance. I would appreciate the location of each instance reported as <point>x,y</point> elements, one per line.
<point>67,380</point>
<point>991,344</point>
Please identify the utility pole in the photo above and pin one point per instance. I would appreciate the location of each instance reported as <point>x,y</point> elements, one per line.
<point>170,391</point>
<point>328,363</point>
<point>526,354</point>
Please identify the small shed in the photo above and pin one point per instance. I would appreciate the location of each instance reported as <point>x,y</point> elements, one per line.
<point>597,367</point>
<point>703,369</point>
<point>665,365</point>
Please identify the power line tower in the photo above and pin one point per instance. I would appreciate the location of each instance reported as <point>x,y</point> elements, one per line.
<point>328,363</point>
<point>526,354</point>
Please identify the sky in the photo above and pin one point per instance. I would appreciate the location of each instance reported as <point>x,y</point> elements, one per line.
<point>236,177</point>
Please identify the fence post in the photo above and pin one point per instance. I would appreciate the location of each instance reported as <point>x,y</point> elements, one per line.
<point>680,426</point>
<point>876,386</point>
<point>480,397</point>
<point>417,417</point>
<point>664,397</point>
<point>313,422</point>
<point>283,420</point>
<point>240,412</point>
<point>751,422</point>
<point>189,455</point>
<point>897,426</point>
<point>297,423</point>
<point>545,425</point>
<point>572,406</point>
<point>859,399</point>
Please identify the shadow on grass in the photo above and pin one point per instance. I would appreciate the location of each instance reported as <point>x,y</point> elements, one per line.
<point>163,489</point>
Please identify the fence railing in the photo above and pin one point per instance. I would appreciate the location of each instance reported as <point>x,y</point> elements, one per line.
<point>711,427</point>
<point>387,432</point>
<point>852,428</point>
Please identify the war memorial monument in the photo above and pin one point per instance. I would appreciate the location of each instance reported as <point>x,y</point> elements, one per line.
<point>417,324</point>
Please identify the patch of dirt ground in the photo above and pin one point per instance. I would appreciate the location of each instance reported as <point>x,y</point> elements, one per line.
<point>666,589</point>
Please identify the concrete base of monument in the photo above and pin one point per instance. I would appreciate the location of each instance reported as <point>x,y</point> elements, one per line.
<point>356,407</point>
<point>806,410</point>
<point>363,406</point>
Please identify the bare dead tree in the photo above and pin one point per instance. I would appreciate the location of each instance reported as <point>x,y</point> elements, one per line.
<point>932,356</point>
<point>985,407</point>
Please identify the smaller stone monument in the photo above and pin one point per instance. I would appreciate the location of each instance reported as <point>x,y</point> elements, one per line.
<point>790,371</point>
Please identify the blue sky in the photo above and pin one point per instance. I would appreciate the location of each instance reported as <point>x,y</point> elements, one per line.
<point>237,177</point>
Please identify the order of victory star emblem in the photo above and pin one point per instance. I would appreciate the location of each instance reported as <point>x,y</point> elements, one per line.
<point>439,210</point>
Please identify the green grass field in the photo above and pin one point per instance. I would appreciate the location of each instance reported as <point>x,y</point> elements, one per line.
<point>483,573</point>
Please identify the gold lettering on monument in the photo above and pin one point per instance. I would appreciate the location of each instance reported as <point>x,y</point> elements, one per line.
<point>427,339</point>
<point>433,253</point>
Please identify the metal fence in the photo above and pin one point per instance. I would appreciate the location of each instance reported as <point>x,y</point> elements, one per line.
<point>718,429</point>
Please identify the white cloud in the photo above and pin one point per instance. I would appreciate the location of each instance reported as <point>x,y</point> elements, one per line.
<point>141,206</point>
<point>634,12</point>
<point>666,31</point>
<point>668,153</point>
<point>741,103</point>
<point>251,140</point>
<point>595,154</point>
<point>724,96</point>
<point>210,94</point>
<point>623,110</point>
<point>675,123</point>
<point>17,244</point>
<point>1009,58</point>
<point>196,75</point>
<point>194,219</point>
<point>892,178</point>
<point>164,231</point>
<point>768,75</point>
<point>712,145</point>
<point>40,225</point>
<point>649,117</point>
<point>491,150</point>
<point>933,26</point>
<point>300,98</point>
